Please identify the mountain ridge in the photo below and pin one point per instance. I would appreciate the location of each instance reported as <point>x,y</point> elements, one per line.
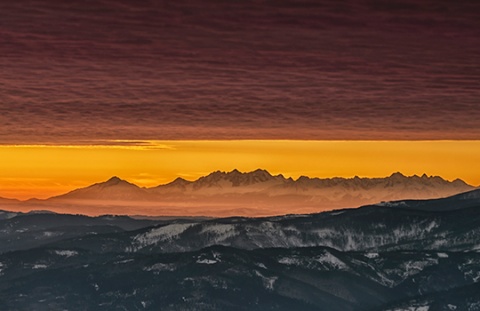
<point>255,193</point>
<point>368,258</point>
<point>112,189</point>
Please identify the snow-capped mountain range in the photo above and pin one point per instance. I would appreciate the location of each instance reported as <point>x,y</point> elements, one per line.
<point>256,193</point>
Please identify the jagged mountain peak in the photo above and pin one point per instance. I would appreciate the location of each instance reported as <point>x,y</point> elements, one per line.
<point>235,177</point>
<point>114,188</point>
<point>397,175</point>
<point>303,178</point>
<point>178,182</point>
<point>236,172</point>
<point>114,181</point>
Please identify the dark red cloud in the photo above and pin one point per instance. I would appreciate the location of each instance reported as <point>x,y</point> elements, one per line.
<point>83,70</point>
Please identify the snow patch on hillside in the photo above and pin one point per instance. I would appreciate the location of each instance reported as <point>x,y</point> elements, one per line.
<point>290,261</point>
<point>412,308</point>
<point>330,260</point>
<point>168,232</point>
<point>325,261</point>
<point>206,261</point>
<point>442,255</point>
<point>39,266</point>
<point>158,267</point>
<point>392,204</point>
<point>214,258</point>
<point>371,255</point>
<point>49,234</point>
<point>66,253</point>
<point>268,282</point>
<point>413,267</point>
<point>219,232</point>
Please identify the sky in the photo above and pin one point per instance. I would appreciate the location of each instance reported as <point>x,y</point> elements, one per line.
<point>44,171</point>
<point>99,73</point>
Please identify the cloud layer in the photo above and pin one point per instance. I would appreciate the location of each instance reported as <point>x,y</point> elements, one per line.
<point>81,71</point>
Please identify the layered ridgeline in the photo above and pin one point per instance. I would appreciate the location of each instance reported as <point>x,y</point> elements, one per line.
<point>256,193</point>
<point>449,224</point>
<point>404,255</point>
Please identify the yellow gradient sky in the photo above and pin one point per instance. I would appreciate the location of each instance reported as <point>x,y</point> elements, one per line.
<point>43,171</point>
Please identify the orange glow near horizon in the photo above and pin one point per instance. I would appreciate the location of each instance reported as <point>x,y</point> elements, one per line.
<point>43,171</point>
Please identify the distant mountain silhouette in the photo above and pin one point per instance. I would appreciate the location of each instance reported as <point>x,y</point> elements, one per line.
<point>114,189</point>
<point>256,193</point>
<point>2,200</point>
